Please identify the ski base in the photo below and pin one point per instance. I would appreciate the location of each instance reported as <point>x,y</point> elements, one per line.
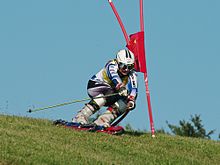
<point>113,130</point>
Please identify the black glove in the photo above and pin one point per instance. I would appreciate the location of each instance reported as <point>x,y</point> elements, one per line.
<point>123,91</point>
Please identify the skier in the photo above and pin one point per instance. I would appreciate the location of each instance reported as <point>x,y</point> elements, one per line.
<point>118,76</point>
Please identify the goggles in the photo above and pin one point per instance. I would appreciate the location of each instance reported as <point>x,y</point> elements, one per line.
<point>126,67</point>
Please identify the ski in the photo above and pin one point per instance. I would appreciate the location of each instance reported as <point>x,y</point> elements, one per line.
<point>113,130</point>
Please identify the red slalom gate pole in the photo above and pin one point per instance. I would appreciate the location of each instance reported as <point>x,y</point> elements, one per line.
<point>146,76</point>
<point>119,20</point>
<point>141,16</point>
<point>149,106</point>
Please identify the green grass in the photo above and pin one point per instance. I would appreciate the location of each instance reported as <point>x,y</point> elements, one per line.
<point>36,141</point>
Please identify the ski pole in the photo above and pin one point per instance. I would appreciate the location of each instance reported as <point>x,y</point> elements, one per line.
<point>120,119</point>
<point>67,103</point>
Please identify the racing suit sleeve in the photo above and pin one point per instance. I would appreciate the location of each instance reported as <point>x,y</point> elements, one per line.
<point>133,85</point>
<point>133,91</point>
<point>111,70</point>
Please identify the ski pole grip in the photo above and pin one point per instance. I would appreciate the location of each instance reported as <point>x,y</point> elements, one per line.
<point>29,111</point>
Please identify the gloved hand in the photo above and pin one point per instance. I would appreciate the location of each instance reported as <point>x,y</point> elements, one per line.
<point>123,91</point>
<point>131,103</point>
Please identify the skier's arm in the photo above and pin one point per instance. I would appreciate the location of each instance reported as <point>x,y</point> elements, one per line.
<point>111,70</point>
<point>133,89</point>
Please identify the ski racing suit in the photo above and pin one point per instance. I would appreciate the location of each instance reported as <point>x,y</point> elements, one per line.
<point>108,81</point>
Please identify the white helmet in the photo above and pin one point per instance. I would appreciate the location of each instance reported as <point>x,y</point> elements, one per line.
<point>125,56</point>
<point>125,59</point>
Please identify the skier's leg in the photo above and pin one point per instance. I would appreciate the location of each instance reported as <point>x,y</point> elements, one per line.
<point>89,109</point>
<point>94,89</point>
<point>111,114</point>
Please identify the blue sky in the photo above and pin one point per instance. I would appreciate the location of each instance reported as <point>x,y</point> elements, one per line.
<point>49,49</point>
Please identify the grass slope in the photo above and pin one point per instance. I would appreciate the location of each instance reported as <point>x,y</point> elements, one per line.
<point>33,141</point>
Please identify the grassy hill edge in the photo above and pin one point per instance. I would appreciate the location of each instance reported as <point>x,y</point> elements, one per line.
<point>26,140</point>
